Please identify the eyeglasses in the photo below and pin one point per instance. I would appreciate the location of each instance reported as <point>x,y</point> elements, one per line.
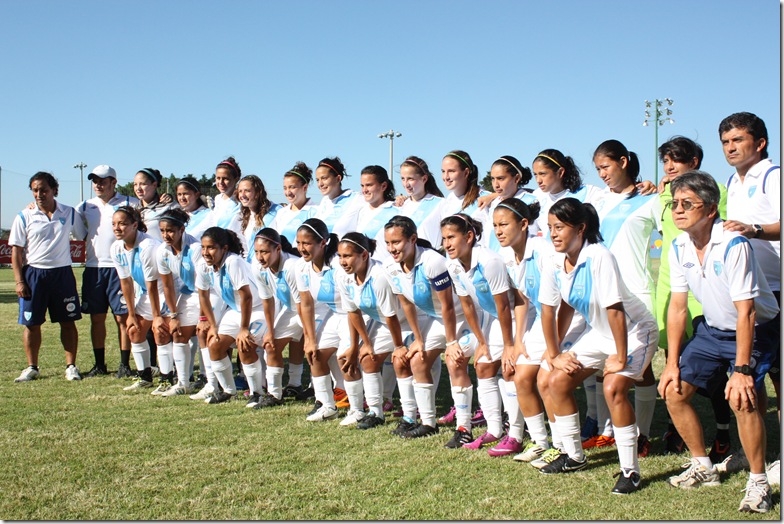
<point>688,205</point>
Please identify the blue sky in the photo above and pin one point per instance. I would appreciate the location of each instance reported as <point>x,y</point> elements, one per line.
<point>179,85</point>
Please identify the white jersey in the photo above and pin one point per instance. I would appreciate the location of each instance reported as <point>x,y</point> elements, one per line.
<point>249,233</point>
<point>526,275</point>
<point>421,284</point>
<point>234,274</point>
<point>587,194</point>
<point>151,216</point>
<point>96,215</point>
<point>226,214</point>
<point>280,284</point>
<point>287,221</point>
<point>183,266</point>
<point>757,200</point>
<point>486,278</point>
<point>323,286</point>
<point>371,222</point>
<point>523,195</point>
<point>340,214</point>
<point>426,214</point>
<point>729,272</point>
<point>199,222</point>
<point>140,262</point>
<point>453,204</point>
<point>593,285</point>
<point>46,241</point>
<point>374,297</point>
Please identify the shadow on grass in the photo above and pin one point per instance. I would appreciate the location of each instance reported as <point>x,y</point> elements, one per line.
<point>8,298</point>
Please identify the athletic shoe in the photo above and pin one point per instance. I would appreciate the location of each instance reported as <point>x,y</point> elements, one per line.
<point>219,397</point>
<point>735,462</point>
<point>306,394</point>
<point>419,431</point>
<point>460,437</point>
<point>96,371</point>
<point>547,457</point>
<point>156,372</point>
<point>449,418</point>
<point>531,452</point>
<point>478,420</point>
<point>316,407</point>
<point>292,391</point>
<point>598,442</point>
<point>163,387</point>
<point>627,482</point>
<point>388,405</point>
<point>199,383</point>
<point>177,390</point>
<point>564,464</point>
<point>507,446</point>
<point>341,398</point>
<point>203,394</point>
<point>268,401</point>
<point>352,417</point>
<point>253,401</point>
<point>757,498</point>
<point>643,447</point>
<point>719,451</point>
<point>138,384</point>
<point>403,426</point>
<point>590,428</point>
<point>695,476</point>
<point>486,438</point>
<point>323,413</point>
<point>28,374</point>
<point>123,372</point>
<point>673,443</point>
<point>72,373</point>
<point>774,473</point>
<point>370,421</point>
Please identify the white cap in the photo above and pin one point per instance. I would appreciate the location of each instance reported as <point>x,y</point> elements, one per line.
<point>102,171</point>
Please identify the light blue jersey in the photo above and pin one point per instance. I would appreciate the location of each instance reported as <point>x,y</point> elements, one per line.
<point>182,266</point>
<point>374,297</point>
<point>252,228</point>
<point>287,221</point>
<point>280,284</point>
<point>198,223</point>
<point>323,286</point>
<point>140,262</point>
<point>234,274</point>
<point>486,277</point>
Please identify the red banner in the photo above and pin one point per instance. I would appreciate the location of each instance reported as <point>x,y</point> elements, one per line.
<point>78,254</point>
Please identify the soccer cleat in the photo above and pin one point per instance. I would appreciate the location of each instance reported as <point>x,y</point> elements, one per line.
<point>352,417</point>
<point>306,394</point>
<point>219,397</point>
<point>590,428</point>
<point>177,390</point>
<point>403,425</point>
<point>628,482</point>
<point>96,371</point>
<point>449,418</point>
<point>564,464</point>
<point>163,387</point>
<point>598,442</point>
<point>478,420</point>
<point>460,437</point>
<point>316,406</point>
<point>72,373</point>
<point>531,452</point>
<point>547,457</point>
<point>757,498</point>
<point>203,394</point>
<point>29,373</point>
<point>138,384</point>
<point>341,398</point>
<point>292,391</point>
<point>419,431</point>
<point>370,421</point>
<point>323,413</point>
<point>507,446</point>
<point>695,476</point>
<point>719,451</point>
<point>477,443</point>
<point>199,383</point>
<point>156,371</point>
<point>673,443</point>
<point>774,473</point>
<point>268,401</point>
<point>253,400</point>
<point>123,372</point>
<point>643,447</point>
<point>735,462</point>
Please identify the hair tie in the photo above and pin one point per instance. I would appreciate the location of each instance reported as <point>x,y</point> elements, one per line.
<point>330,167</point>
<point>189,183</point>
<point>551,159</point>
<point>511,164</point>
<point>312,229</point>
<point>513,210</point>
<point>297,173</point>
<point>468,165</point>
<point>363,248</point>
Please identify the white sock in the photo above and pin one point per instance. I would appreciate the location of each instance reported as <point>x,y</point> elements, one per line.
<point>194,349</point>
<point>557,440</point>
<point>295,374</point>
<point>141,355</point>
<point>224,373</point>
<point>356,394</point>
<point>275,381</point>
<point>182,354</point>
<point>644,406</point>
<point>490,402</point>
<point>263,372</point>
<point>705,461</point>
<point>603,412</point>
<point>322,389</point>
<point>165,360</point>
<point>435,370</point>
<point>626,441</point>
<point>569,430</point>
<point>589,384</point>
<point>389,380</point>
<point>373,383</point>
<point>462,397</point>
<point>253,375</point>
<point>206,368</point>
<point>425,401</point>
<point>537,430</point>
<point>337,374</point>
<point>408,400</point>
<point>512,408</point>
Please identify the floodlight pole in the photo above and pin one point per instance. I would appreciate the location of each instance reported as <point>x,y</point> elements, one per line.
<point>660,117</point>
<point>391,135</point>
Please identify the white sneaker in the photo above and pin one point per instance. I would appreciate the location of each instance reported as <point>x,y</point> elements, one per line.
<point>353,416</point>
<point>72,373</point>
<point>179,389</point>
<point>323,413</point>
<point>29,373</point>
<point>531,452</point>
<point>162,388</point>
<point>757,498</point>
<point>204,393</point>
<point>545,458</point>
<point>138,384</point>
<point>695,476</point>
<point>774,473</point>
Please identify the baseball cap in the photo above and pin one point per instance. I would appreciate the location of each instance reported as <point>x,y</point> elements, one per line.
<point>102,171</point>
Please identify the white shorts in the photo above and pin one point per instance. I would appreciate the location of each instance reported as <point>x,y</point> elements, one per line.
<point>381,336</point>
<point>491,328</point>
<point>230,325</point>
<point>287,325</point>
<point>188,308</point>
<point>332,331</point>
<point>144,308</point>
<point>433,331</point>
<point>536,346</point>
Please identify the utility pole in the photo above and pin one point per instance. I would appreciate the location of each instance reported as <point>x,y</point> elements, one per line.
<point>80,166</point>
<point>391,135</point>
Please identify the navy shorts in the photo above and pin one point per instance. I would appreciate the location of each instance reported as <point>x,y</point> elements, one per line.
<point>710,354</point>
<point>53,290</point>
<point>100,290</point>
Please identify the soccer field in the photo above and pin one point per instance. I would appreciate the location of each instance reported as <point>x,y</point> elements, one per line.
<point>88,450</point>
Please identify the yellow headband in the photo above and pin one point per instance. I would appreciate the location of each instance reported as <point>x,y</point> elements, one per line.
<point>551,159</point>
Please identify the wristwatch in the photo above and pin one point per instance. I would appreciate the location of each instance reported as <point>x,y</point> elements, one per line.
<point>745,369</point>
<point>757,230</point>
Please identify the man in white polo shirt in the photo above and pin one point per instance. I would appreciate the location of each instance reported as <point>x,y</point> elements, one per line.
<point>100,283</point>
<point>41,260</point>
<point>739,332</point>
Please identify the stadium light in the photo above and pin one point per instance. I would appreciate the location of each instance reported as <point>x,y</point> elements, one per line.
<point>662,115</point>
<point>391,135</point>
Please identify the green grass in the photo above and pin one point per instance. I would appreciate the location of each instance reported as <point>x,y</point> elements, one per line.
<point>91,451</point>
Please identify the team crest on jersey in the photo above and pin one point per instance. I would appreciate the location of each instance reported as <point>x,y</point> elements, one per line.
<point>306,278</point>
<point>752,190</point>
<point>717,267</point>
<point>624,208</point>
<point>367,302</point>
<point>530,282</point>
<point>578,290</point>
<point>62,221</point>
<point>482,287</point>
<point>326,286</point>
<point>599,205</point>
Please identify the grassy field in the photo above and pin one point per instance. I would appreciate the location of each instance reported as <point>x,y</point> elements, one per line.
<point>91,451</point>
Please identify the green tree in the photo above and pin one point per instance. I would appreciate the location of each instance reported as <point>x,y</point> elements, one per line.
<point>487,183</point>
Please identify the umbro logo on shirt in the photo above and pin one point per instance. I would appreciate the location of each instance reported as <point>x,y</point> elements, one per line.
<point>688,265</point>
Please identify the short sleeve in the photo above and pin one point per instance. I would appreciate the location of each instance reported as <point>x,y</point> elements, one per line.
<point>496,275</point>
<point>741,270</point>
<point>18,234</point>
<point>149,263</point>
<point>549,293</point>
<point>120,260</point>
<point>164,264</point>
<point>302,277</point>
<point>385,298</point>
<point>678,281</point>
<point>604,269</point>
<point>203,281</point>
